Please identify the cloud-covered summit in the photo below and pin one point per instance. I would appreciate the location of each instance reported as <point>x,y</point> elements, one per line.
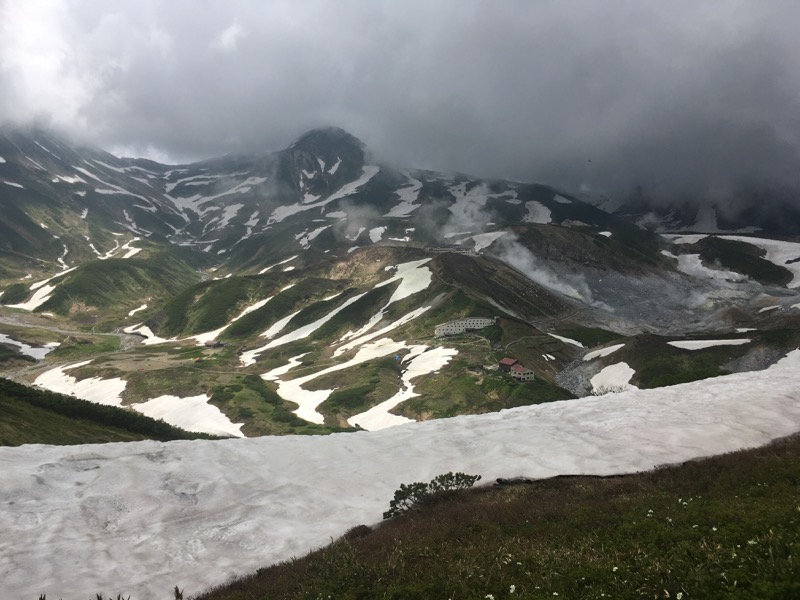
<point>681,97</point>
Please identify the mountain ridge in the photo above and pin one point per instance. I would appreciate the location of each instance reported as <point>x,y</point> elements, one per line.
<point>320,255</point>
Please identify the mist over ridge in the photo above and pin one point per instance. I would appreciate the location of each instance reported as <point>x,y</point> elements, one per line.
<point>690,102</point>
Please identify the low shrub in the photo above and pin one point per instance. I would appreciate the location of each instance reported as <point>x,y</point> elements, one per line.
<point>409,496</point>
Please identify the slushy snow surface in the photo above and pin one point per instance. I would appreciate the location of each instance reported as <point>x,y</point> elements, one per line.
<point>613,376</point>
<point>484,240</point>
<point>422,362</point>
<point>93,389</point>
<point>135,310</point>
<point>34,352</point>
<point>701,344</point>
<point>537,213</point>
<point>144,516</point>
<point>376,233</point>
<point>368,172</point>
<point>602,352</point>
<point>566,340</point>
<point>408,196</point>
<point>43,290</point>
<point>193,413</point>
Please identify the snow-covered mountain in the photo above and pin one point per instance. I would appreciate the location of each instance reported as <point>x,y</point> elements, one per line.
<point>326,272</point>
<point>236,205</point>
<point>299,292</point>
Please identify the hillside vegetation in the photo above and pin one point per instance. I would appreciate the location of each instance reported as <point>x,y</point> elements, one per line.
<point>118,284</point>
<point>724,527</point>
<point>32,416</point>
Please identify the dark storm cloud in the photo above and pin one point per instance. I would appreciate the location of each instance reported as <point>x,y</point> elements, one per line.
<point>678,96</point>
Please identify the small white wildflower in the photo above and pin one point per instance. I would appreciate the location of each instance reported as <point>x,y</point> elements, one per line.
<point>489,597</point>
<point>615,569</point>
<point>555,593</point>
<point>752,542</point>
<point>713,529</point>
<point>679,595</point>
<point>512,589</point>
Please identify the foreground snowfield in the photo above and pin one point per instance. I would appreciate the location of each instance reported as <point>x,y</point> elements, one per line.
<point>142,517</point>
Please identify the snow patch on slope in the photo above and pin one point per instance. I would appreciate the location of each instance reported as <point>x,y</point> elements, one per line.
<point>43,291</point>
<point>484,240</point>
<point>283,262</point>
<point>602,352</point>
<point>701,344</point>
<point>93,389</point>
<point>282,212</point>
<point>408,196</point>
<point>421,361</point>
<point>537,213</point>
<point>414,277</point>
<point>192,414</point>
<point>209,336</point>
<point>33,351</point>
<point>566,340</point>
<point>221,503</point>
<point>135,310</point>
<point>614,377</point>
<point>777,252</point>
<point>300,333</point>
<point>376,234</point>
<point>305,238</point>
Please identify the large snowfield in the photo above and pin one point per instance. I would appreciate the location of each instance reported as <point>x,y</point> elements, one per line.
<point>142,517</point>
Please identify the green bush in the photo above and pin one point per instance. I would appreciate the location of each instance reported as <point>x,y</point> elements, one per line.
<point>493,333</point>
<point>409,496</point>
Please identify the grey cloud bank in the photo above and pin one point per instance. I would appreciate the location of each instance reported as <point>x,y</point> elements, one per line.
<point>681,97</point>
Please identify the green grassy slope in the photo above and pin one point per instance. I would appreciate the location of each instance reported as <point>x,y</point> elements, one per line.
<point>724,527</point>
<point>31,416</point>
<point>118,285</point>
<point>659,364</point>
<point>743,258</point>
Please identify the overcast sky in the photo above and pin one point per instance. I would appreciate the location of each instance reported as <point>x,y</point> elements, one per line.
<point>674,95</point>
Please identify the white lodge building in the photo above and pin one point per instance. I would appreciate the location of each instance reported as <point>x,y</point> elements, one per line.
<point>463,325</point>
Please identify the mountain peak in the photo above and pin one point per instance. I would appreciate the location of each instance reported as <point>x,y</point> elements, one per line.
<point>326,139</point>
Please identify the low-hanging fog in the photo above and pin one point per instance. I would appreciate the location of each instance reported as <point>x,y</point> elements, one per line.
<point>691,99</point>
